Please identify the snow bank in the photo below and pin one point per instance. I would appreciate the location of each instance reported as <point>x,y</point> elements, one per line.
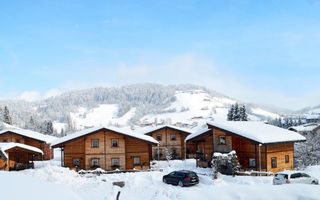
<point>16,185</point>
<point>149,185</point>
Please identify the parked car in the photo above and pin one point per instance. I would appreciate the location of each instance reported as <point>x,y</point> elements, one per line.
<point>181,178</point>
<point>292,177</point>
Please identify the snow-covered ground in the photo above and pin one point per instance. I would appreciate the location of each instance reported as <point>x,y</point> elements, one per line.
<point>54,182</point>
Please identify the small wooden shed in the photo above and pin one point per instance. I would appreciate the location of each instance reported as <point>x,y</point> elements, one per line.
<point>16,156</point>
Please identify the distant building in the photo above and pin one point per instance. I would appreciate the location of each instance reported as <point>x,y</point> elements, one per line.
<point>171,140</point>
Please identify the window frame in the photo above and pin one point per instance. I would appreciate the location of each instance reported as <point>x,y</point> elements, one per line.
<point>112,162</point>
<point>115,139</point>
<point>92,162</point>
<point>173,137</point>
<point>134,163</point>
<point>225,140</point>
<point>251,160</point>
<point>274,165</point>
<point>92,142</point>
<point>286,159</point>
<point>74,164</point>
<point>159,137</point>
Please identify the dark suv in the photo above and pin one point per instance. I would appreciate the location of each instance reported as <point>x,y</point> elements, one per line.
<point>181,178</point>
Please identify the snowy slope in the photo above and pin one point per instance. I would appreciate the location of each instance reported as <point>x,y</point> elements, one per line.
<point>197,107</point>
<point>103,115</point>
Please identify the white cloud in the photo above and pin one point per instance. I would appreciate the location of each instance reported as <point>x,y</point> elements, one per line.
<point>30,96</point>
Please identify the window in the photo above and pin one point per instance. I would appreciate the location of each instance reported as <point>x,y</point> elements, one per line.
<point>115,142</point>
<point>4,140</point>
<point>136,160</point>
<point>95,162</point>
<point>252,162</point>
<point>222,140</point>
<point>115,162</point>
<point>95,143</point>
<point>274,162</point>
<point>173,137</point>
<point>17,140</point>
<point>76,162</point>
<point>305,175</point>
<point>296,175</point>
<point>287,158</point>
<point>159,137</point>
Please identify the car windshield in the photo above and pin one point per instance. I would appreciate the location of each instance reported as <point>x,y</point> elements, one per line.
<point>282,176</point>
<point>191,175</point>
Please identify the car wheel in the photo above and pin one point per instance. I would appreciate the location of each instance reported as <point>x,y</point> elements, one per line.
<point>164,180</point>
<point>313,183</point>
<point>180,183</point>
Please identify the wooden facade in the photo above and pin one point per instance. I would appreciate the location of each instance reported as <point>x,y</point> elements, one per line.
<point>10,136</point>
<point>171,141</point>
<point>274,157</point>
<point>106,149</point>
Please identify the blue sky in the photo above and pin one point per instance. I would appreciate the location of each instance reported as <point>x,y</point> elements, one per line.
<point>256,51</point>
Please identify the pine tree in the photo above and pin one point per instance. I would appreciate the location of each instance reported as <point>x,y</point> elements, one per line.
<point>230,113</point>
<point>243,114</point>
<point>6,116</point>
<point>236,115</point>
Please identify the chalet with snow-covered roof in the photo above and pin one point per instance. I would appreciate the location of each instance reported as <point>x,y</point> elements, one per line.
<point>259,146</point>
<point>106,148</point>
<point>305,129</point>
<point>30,138</point>
<point>171,140</point>
<point>17,156</point>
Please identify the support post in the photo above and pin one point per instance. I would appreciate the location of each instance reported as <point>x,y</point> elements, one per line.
<point>260,158</point>
<point>61,151</point>
<point>158,151</point>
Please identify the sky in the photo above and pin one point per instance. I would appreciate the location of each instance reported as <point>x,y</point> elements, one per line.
<point>264,52</point>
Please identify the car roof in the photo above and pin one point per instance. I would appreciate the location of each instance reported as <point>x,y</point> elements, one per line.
<point>185,171</point>
<point>289,172</point>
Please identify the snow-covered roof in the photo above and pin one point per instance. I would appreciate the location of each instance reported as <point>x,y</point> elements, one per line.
<point>197,133</point>
<point>94,129</point>
<point>4,146</point>
<point>30,134</point>
<point>258,131</point>
<point>152,129</point>
<point>305,127</point>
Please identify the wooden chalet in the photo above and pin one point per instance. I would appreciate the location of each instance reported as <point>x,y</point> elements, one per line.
<point>106,148</point>
<point>17,156</point>
<point>30,138</point>
<point>259,146</point>
<point>171,141</point>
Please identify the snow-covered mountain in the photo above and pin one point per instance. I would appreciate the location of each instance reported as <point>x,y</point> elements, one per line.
<point>139,104</point>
